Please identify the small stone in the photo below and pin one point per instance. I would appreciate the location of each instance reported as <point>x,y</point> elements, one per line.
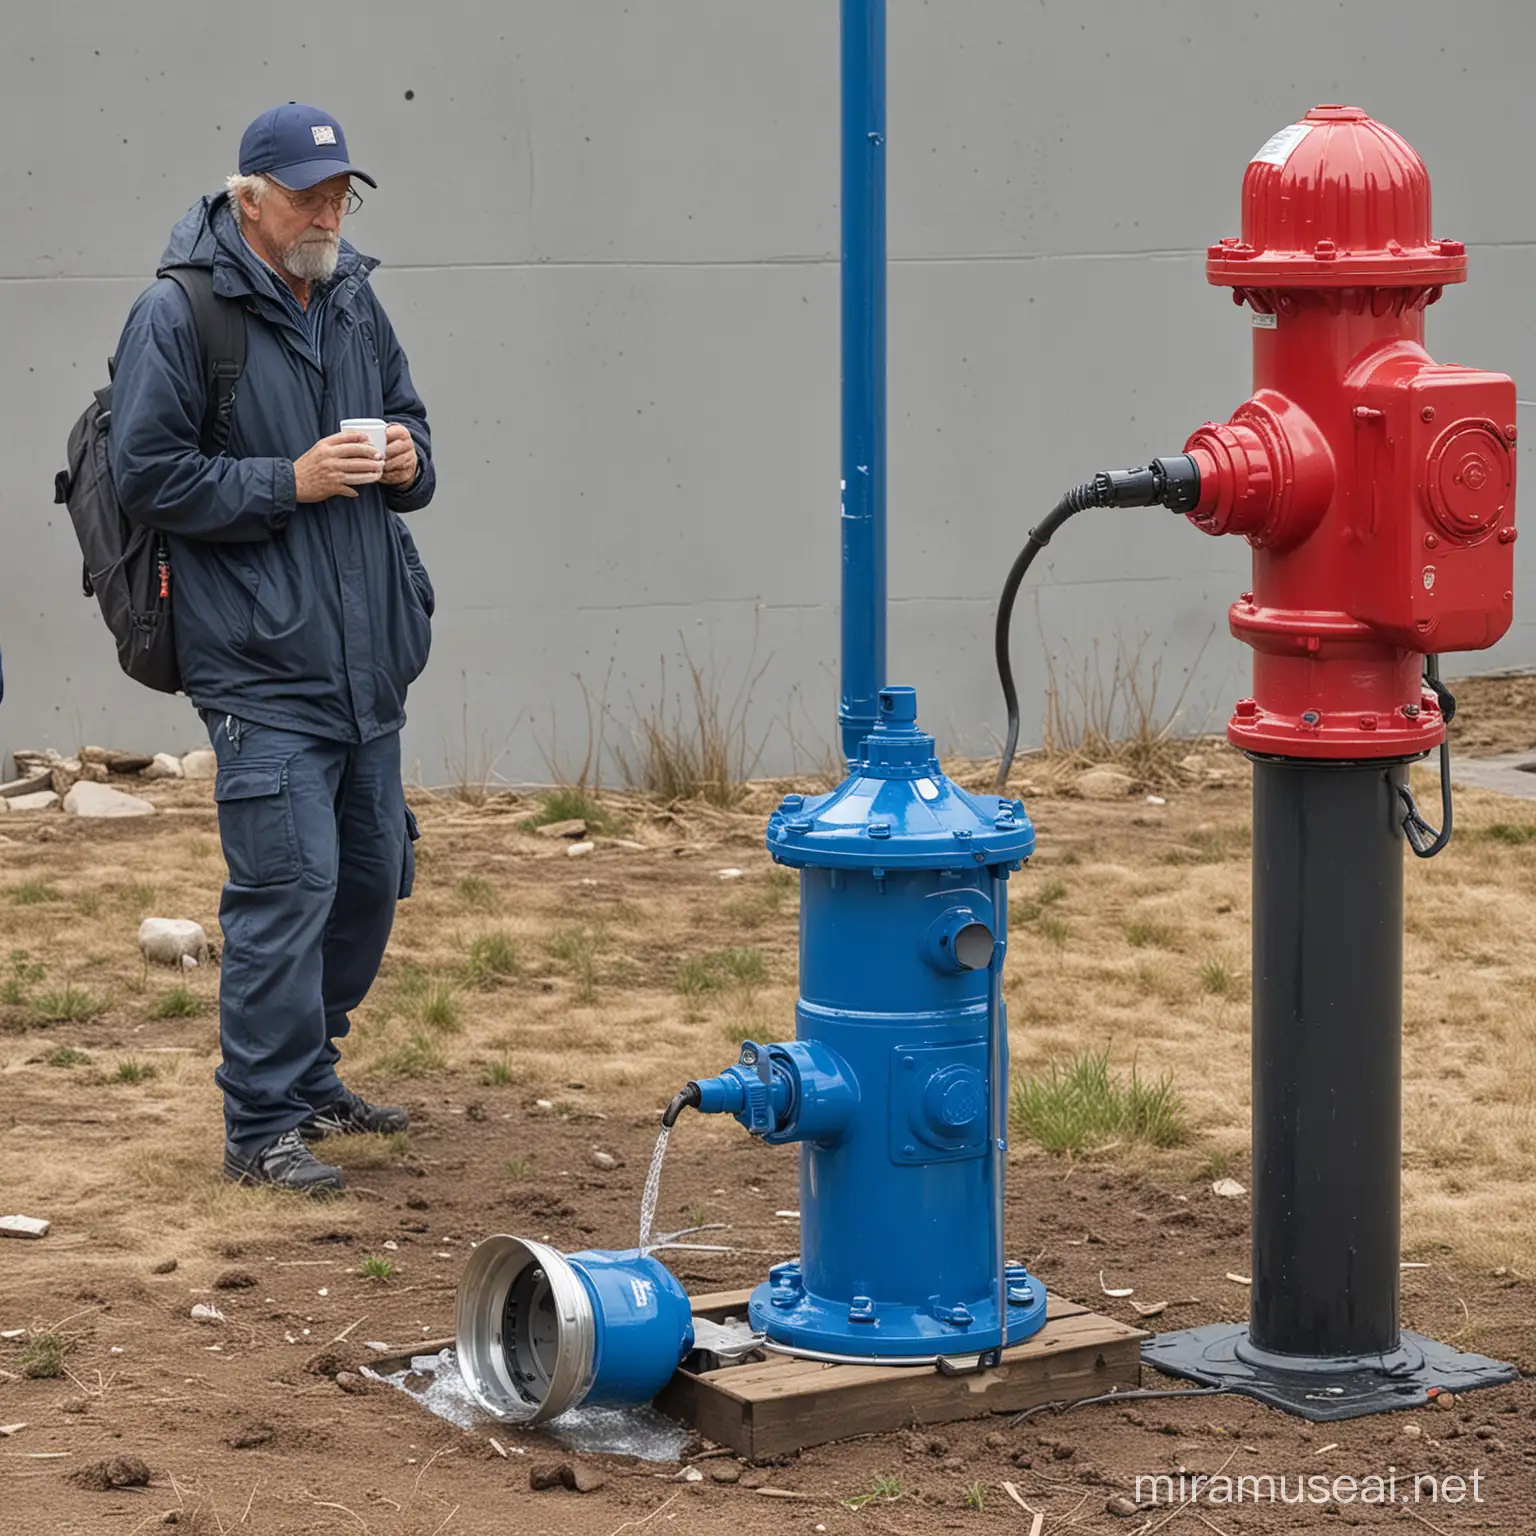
<point>115,762</point>
<point>576,827</point>
<point>101,802</point>
<point>1413,1431</point>
<point>76,1404</point>
<point>691,1475</point>
<point>605,1160</point>
<point>1105,784</point>
<point>65,775</point>
<point>730,874</point>
<point>201,764</point>
<point>203,1313</point>
<point>547,1474</point>
<point>162,766</point>
<point>44,800</point>
<point>236,1280</point>
<point>725,1472</point>
<point>997,1441</point>
<point>329,1362</point>
<point>1062,1451</point>
<point>953,1464</point>
<point>1119,1504</point>
<point>1228,1189</point>
<point>584,1479</point>
<point>249,1438</point>
<point>937,1445</point>
<point>353,1384</point>
<point>118,1472</point>
<point>417,1203</point>
<point>753,1479</point>
<point>579,850</point>
<point>1445,1400</point>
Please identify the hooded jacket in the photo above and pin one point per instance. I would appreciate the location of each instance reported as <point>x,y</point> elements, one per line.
<point>314,617</point>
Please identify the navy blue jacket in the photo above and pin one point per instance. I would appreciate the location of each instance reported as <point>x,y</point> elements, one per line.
<point>310,618</point>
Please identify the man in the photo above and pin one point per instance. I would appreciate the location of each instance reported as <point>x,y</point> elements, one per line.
<point>301,612</point>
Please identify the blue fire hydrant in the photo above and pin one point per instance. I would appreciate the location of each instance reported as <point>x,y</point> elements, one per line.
<point>895,1085</point>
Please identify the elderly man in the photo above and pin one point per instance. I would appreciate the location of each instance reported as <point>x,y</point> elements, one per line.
<point>301,613</point>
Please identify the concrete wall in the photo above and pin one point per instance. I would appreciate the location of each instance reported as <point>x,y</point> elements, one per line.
<point>609,234</point>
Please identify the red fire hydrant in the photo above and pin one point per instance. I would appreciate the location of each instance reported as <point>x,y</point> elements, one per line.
<point>1375,485</point>
<point>1377,489</point>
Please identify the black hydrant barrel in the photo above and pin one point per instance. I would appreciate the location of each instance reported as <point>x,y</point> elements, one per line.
<point>1327,1048</point>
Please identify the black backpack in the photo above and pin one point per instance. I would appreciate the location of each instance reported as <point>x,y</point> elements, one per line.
<point>128,566</point>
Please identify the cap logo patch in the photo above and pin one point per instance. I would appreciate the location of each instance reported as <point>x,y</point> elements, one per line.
<point>324,133</point>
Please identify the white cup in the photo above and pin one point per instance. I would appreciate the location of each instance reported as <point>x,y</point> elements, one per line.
<point>376,431</point>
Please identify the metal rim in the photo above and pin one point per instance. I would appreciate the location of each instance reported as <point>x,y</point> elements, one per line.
<point>525,1330</point>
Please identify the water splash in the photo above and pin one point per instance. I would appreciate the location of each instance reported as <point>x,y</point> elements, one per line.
<point>652,1189</point>
<point>638,1431</point>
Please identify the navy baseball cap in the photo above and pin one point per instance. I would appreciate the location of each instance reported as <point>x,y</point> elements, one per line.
<point>298,146</point>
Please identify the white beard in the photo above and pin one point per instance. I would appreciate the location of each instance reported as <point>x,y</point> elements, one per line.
<point>312,260</point>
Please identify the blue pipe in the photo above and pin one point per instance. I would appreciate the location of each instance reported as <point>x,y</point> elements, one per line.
<point>863,271</point>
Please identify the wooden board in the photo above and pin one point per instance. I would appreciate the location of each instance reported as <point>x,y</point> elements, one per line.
<point>782,1404</point>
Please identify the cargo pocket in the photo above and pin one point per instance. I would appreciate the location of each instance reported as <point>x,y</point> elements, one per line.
<point>408,868</point>
<point>261,844</point>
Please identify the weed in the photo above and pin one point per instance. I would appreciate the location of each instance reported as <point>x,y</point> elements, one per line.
<point>426,998</point>
<point>42,1358</point>
<point>376,1267</point>
<point>65,1005</point>
<point>518,1168</point>
<point>884,1490</point>
<point>576,946</point>
<point>721,968</point>
<point>1212,845</point>
<point>1217,978</point>
<point>1078,1106</point>
<point>1144,933</point>
<point>1515,833</point>
<point>179,1003</point>
<point>1054,930</point>
<point>24,975</point>
<point>698,751</point>
<point>479,894</point>
<point>201,848</point>
<point>32,893</point>
<point>571,802</point>
<point>1217,1166</point>
<point>1051,892</point>
<point>131,1070</point>
<point>68,1056</point>
<point>418,1056</point>
<point>139,896</point>
<point>492,957</point>
<point>976,1495</point>
<point>88,905</point>
<point>500,1074</point>
<point>696,1215</point>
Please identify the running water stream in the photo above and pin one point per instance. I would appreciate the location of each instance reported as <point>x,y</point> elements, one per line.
<point>652,1188</point>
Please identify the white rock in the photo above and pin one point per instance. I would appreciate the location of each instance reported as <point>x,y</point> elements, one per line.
<point>577,850</point>
<point>201,764</point>
<point>1105,784</point>
<point>101,801</point>
<point>729,874</point>
<point>164,767</point>
<point>604,1160</point>
<point>206,1314</point>
<point>45,800</point>
<point>1228,1189</point>
<point>1156,800</point>
<point>24,1226</point>
<point>172,940</point>
<point>543,1104</point>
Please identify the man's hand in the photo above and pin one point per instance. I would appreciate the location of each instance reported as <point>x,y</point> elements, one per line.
<point>400,464</point>
<point>334,465</point>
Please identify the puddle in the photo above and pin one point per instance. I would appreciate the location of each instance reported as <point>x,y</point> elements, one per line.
<point>640,1431</point>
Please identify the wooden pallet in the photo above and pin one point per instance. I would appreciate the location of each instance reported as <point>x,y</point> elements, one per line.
<point>781,1404</point>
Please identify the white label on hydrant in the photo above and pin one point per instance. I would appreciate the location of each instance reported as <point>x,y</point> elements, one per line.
<point>1265,322</point>
<point>1277,151</point>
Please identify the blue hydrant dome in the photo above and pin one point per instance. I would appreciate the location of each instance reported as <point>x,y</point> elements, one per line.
<point>898,810</point>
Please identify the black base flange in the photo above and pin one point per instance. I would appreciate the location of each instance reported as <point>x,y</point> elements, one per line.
<point>1221,1355</point>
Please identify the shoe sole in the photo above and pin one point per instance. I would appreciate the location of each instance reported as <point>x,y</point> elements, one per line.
<point>318,1189</point>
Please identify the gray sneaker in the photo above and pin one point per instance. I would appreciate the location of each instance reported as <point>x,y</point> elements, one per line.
<point>351,1114</point>
<point>285,1164</point>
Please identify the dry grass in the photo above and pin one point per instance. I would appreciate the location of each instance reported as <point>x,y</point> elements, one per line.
<point>1130,933</point>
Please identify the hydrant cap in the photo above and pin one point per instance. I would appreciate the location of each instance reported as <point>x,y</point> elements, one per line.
<point>1337,200</point>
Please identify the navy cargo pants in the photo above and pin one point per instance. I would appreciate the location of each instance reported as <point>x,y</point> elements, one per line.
<point>317,838</point>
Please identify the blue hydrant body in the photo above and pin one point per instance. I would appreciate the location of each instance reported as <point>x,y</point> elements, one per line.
<point>895,1085</point>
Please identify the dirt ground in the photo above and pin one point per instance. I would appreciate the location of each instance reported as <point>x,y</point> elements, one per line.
<point>536,1008</point>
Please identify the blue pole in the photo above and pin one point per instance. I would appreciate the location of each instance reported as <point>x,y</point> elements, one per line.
<point>863,271</point>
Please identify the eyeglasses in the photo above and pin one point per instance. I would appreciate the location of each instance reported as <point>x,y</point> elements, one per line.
<point>340,203</point>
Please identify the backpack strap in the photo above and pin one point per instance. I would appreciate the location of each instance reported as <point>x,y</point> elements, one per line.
<point>221,328</point>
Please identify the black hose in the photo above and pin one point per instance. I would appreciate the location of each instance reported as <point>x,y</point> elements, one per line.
<point>687,1096</point>
<point>1422,837</point>
<point>1092,493</point>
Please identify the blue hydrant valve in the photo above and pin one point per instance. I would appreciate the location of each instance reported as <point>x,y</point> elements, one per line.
<point>793,1091</point>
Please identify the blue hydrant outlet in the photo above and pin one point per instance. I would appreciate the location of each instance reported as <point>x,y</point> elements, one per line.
<point>540,1332</point>
<point>791,1091</point>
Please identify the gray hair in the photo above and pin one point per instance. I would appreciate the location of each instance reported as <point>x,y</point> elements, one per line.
<point>238,186</point>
